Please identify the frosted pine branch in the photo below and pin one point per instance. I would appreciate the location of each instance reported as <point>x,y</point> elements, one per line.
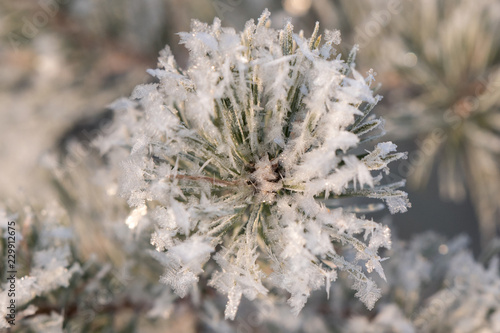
<point>232,156</point>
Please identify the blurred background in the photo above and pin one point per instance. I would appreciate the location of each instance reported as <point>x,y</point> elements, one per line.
<point>63,61</point>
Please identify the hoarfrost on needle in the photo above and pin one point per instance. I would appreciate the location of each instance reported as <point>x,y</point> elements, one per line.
<point>233,156</point>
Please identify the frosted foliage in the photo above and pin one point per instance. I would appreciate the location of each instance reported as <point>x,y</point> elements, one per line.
<point>232,157</point>
<point>52,268</point>
<point>436,286</point>
<point>42,279</point>
<point>473,290</point>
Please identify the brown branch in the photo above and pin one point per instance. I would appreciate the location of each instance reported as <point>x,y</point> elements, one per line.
<point>208,179</point>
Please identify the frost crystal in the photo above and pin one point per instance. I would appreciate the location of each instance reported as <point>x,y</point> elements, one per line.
<point>233,156</point>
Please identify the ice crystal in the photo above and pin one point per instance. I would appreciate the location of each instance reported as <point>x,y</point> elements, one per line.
<point>232,157</point>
